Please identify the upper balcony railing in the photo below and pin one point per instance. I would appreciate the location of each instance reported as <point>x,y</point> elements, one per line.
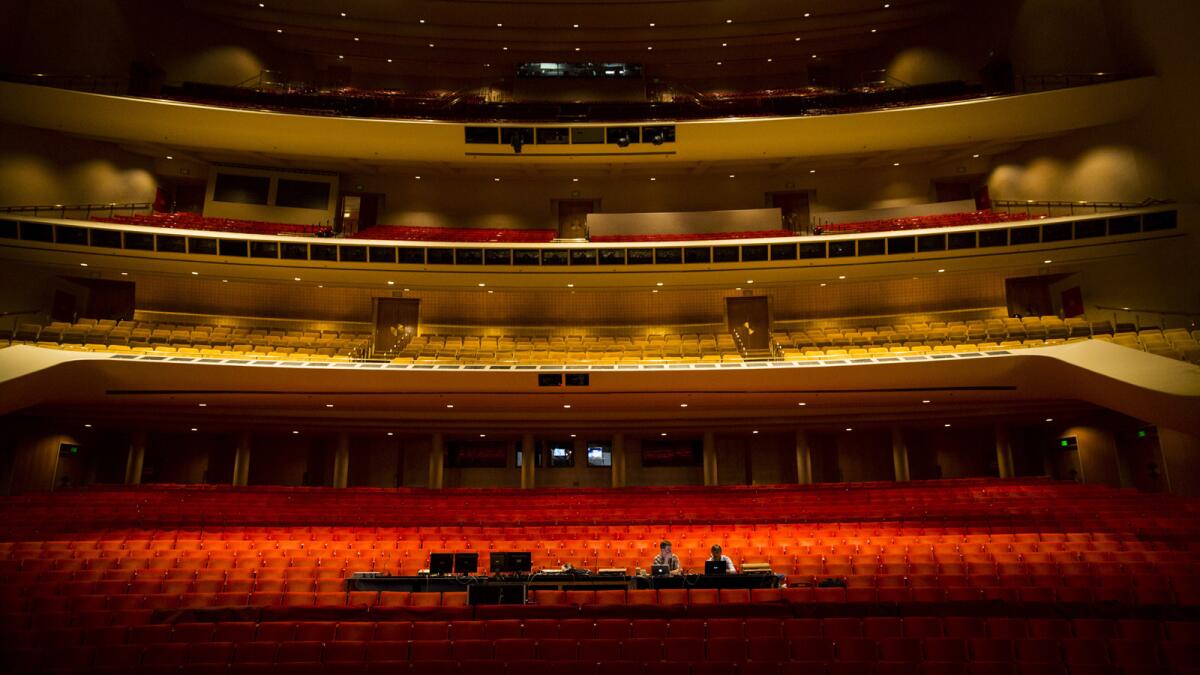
<point>488,102</point>
<point>579,256</point>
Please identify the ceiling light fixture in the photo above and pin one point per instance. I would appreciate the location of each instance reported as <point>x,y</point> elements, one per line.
<point>202,405</point>
<point>683,405</point>
<point>1047,262</point>
<point>170,157</point>
<point>295,431</point>
<point>947,425</point>
<point>295,278</point>
<point>841,276</point>
<point>941,270</point>
<point>83,264</point>
<point>328,405</point>
<point>567,405</point>
<point>87,426</point>
<point>895,163</point>
<point>343,14</point>
<point>481,284</point>
<point>195,274</point>
<point>449,405</point>
<point>663,434</point>
<point>483,435</point>
<point>653,178</point>
<point>925,400</point>
<point>391,283</point>
<point>801,403</point>
<point>728,20</point>
<point>1049,419</point>
<point>195,429</point>
<point>390,434</point>
<point>124,274</point>
<point>732,176</point>
<point>755,431</point>
<point>389,60</point>
<point>849,428</point>
<point>975,156</point>
<point>356,39</point>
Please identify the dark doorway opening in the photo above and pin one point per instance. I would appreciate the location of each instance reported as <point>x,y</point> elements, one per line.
<point>357,211</point>
<point>793,206</point>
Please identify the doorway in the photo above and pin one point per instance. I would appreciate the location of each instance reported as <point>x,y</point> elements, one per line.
<point>572,217</point>
<point>962,188</point>
<point>357,211</point>
<point>180,196</point>
<point>793,207</point>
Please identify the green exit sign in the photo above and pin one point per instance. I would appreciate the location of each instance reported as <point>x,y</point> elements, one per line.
<point>68,449</point>
<point>1065,443</point>
<point>1141,433</point>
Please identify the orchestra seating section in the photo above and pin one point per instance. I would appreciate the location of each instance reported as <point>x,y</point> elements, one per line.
<point>830,341</point>
<point>985,217</point>
<point>193,221</point>
<point>962,576</point>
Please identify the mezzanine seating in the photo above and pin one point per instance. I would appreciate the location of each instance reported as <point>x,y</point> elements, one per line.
<point>923,222</point>
<point>193,221</point>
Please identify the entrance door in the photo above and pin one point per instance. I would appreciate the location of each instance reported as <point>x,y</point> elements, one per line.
<point>750,319</point>
<point>572,217</point>
<point>793,206</point>
<point>357,211</point>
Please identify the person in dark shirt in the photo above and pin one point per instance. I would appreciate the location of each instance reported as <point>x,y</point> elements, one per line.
<point>666,557</point>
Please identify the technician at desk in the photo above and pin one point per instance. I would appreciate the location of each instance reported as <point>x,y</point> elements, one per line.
<point>666,557</point>
<point>717,557</point>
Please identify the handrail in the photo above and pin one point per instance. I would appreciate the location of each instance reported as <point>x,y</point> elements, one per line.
<point>1029,206</point>
<point>111,208</point>
<point>1166,312</point>
<point>21,311</point>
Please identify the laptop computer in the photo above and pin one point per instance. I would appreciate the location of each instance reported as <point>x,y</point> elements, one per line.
<point>715,567</point>
<point>659,570</point>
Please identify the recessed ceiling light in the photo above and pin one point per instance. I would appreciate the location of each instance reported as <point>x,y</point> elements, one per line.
<point>449,405</point>
<point>577,49</point>
<point>801,403</point>
<point>170,157</point>
<point>195,274</point>
<point>728,20</point>
<point>886,6</point>
<point>574,180</point>
<point>483,435</point>
<point>849,428</point>
<point>481,284</point>
<point>658,283</point>
<point>295,278</point>
<point>732,176</point>
<point>812,170</point>
<point>653,178</point>
<point>895,163</point>
<point>195,429</point>
<point>83,264</point>
<point>570,285</point>
<point>391,283</point>
<point>822,285</point>
<point>567,405</point>
<point>343,14</point>
<point>389,60</point>
<point>574,25</point>
<point>356,39</point>
<point>88,426</point>
<point>341,56</point>
<point>328,405</point>
<point>390,434</point>
<point>663,434</point>
<point>806,14</point>
<point>947,425</point>
<point>295,432</point>
<point>1047,262</point>
<point>224,281</point>
<point>941,270</point>
<point>755,431</point>
<point>202,405</point>
<point>841,276</point>
<point>499,25</point>
<point>490,291</point>
<point>770,60</point>
<point>749,281</point>
<point>1049,419</point>
<point>724,44</point>
<point>683,405</point>
<point>261,5</point>
<point>124,274</point>
<point>504,49</point>
<point>655,290</point>
<point>814,56</point>
<point>430,44</point>
<point>652,24</point>
<point>496,180</point>
<point>718,63</point>
<point>416,178</point>
<point>872,30</point>
<point>925,400</point>
<point>797,39</point>
<point>420,20</point>
<point>649,48</point>
<point>572,435</point>
<point>975,156</point>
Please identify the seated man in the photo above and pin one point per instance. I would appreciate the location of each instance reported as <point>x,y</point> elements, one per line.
<point>666,557</point>
<point>717,557</point>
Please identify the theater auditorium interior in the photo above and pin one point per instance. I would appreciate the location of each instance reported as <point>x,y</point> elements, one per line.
<point>679,337</point>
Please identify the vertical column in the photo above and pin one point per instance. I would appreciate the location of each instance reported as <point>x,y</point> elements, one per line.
<point>618,460</point>
<point>899,454</point>
<point>710,458</point>
<point>1004,460</point>
<point>241,460</point>
<point>803,458</point>
<point>341,461</point>
<point>528,461</point>
<point>437,453</point>
<point>137,456</point>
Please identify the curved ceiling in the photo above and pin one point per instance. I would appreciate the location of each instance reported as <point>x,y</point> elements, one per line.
<point>489,38</point>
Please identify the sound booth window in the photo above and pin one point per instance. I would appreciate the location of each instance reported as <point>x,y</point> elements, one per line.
<point>302,194</point>
<point>241,189</point>
<point>659,453</point>
<point>599,454</point>
<point>561,453</point>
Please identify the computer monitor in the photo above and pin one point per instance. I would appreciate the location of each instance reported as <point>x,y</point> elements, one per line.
<point>441,563</point>
<point>715,567</point>
<point>520,561</point>
<point>659,570</point>
<point>466,563</point>
<point>497,561</point>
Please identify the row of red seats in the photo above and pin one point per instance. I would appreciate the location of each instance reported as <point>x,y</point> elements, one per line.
<point>194,221</point>
<point>696,236</point>
<point>923,222</point>
<point>836,628</point>
<point>1180,591</point>
<point>458,234</point>
<point>770,652</point>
